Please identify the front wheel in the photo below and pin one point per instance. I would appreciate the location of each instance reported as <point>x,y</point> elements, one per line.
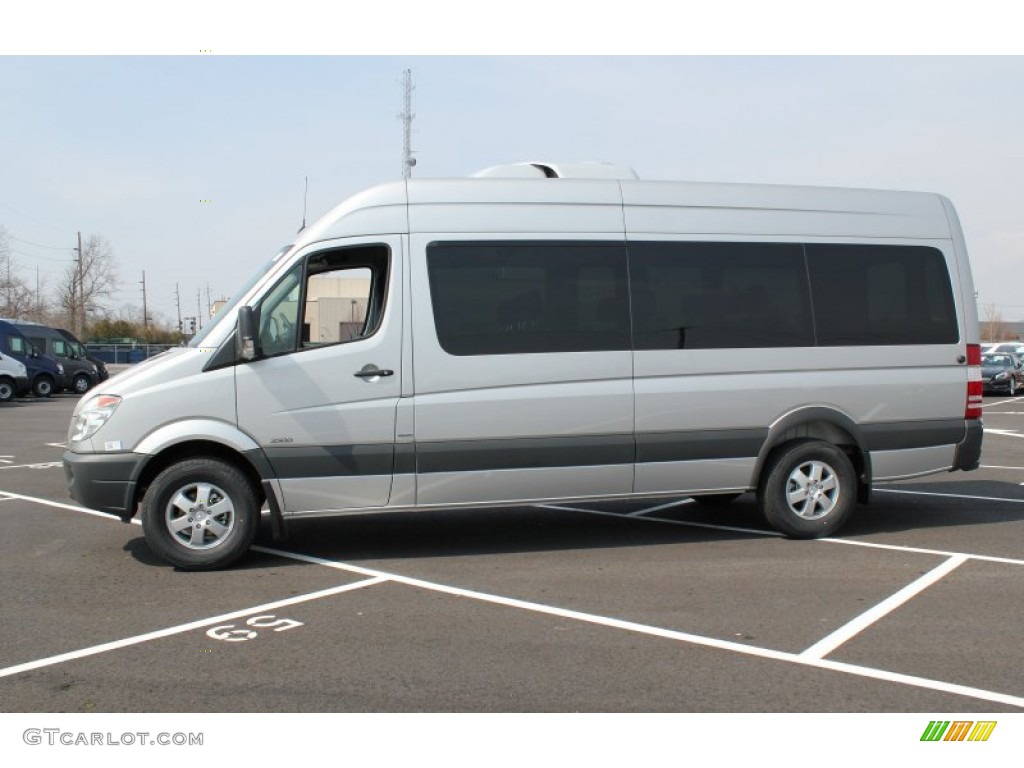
<point>808,489</point>
<point>81,384</point>
<point>6,390</point>
<point>200,514</point>
<point>42,387</point>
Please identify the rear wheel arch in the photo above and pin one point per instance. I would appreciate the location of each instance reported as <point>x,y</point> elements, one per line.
<point>827,425</point>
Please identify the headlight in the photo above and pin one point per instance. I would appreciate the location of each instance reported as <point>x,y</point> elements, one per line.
<point>93,416</point>
<point>1001,376</point>
<point>94,371</point>
<point>60,368</point>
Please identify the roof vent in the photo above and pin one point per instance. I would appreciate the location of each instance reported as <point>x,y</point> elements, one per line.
<point>557,171</point>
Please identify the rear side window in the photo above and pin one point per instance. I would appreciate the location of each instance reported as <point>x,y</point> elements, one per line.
<point>881,294</point>
<point>719,295</point>
<point>529,297</point>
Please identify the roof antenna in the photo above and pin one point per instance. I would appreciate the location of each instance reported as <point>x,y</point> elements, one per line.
<point>305,197</point>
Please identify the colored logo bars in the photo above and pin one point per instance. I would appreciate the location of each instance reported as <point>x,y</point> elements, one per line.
<point>958,730</point>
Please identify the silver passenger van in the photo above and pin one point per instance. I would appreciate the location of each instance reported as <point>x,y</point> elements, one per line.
<point>548,332</point>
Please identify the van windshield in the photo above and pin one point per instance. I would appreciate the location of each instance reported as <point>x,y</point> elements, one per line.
<point>197,340</point>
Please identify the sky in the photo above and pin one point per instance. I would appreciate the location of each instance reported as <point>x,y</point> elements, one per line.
<point>193,165</point>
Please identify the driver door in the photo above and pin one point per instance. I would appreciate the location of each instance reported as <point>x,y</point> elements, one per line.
<point>322,395</point>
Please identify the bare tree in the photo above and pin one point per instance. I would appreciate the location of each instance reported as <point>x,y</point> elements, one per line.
<point>993,328</point>
<point>16,297</point>
<point>86,283</point>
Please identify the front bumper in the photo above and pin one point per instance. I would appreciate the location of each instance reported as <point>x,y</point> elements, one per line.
<point>104,481</point>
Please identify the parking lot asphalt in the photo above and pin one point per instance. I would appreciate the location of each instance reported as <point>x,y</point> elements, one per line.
<point>653,606</point>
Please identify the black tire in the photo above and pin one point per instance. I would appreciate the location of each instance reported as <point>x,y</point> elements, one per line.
<point>717,499</point>
<point>42,386</point>
<point>808,489</point>
<point>81,384</point>
<point>6,389</point>
<point>200,514</point>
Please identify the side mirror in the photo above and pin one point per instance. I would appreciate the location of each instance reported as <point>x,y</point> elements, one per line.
<point>245,336</point>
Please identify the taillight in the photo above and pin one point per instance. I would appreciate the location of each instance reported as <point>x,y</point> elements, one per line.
<point>974,384</point>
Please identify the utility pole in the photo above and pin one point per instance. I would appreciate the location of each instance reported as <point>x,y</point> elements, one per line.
<point>199,309</point>
<point>406,116</point>
<point>78,302</point>
<point>145,313</point>
<point>177,300</point>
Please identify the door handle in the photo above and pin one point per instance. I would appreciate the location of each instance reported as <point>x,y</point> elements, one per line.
<point>372,372</point>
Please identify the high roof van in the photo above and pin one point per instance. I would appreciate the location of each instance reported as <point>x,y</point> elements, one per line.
<point>547,332</point>
<point>79,374</point>
<point>13,378</point>
<point>83,353</point>
<point>45,374</point>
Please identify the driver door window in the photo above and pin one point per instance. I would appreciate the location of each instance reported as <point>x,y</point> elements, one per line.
<point>341,301</point>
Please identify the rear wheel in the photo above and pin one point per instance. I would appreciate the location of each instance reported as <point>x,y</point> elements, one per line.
<point>808,489</point>
<point>6,390</point>
<point>42,386</point>
<point>200,514</point>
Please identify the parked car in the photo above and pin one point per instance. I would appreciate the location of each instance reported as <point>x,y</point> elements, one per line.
<point>1002,372</point>
<point>1003,347</point>
<point>45,374</point>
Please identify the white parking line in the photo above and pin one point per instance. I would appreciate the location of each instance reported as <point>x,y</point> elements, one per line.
<point>950,495</point>
<point>669,505</point>
<point>851,629</point>
<point>1003,432</point>
<point>687,523</point>
<point>999,402</point>
<point>377,576</point>
<point>161,633</point>
<point>40,465</point>
<point>669,634</point>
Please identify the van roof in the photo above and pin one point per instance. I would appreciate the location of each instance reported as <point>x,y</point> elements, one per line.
<point>602,198</point>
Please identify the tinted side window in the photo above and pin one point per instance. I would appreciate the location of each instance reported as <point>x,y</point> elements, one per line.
<point>528,297</point>
<point>719,295</point>
<point>881,294</point>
